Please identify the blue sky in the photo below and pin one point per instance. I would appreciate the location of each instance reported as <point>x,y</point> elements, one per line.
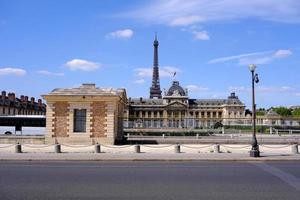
<point>50,44</point>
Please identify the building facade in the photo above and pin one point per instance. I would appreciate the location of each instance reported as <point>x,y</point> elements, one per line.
<point>86,114</point>
<point>176,110</point>
<point>11,105</point>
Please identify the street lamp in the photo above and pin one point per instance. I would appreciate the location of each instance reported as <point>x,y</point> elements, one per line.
<point>254,152</point>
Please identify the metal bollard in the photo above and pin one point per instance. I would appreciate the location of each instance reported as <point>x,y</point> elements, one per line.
<point>295,149</point>
<point>97,148</point>
<point>137,148</point>
<point>57,148</point>
<point>177,148</point>
<point>18,148</point>
<point>216,148</point>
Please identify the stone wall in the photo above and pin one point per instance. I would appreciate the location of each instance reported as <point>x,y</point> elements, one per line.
<point>60,119</point>
<point>98,124</point>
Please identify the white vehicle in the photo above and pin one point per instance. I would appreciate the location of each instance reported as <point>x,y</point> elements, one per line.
<point>23,125</point>
<point>10,130</point>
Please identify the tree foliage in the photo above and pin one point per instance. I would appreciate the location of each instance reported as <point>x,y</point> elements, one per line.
<point>296,112</point>
<point>283,111</point>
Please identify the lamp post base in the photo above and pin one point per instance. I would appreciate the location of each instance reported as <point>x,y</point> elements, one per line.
<point>254,153</point>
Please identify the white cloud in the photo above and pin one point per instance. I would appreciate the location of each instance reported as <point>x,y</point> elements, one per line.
<point>196,88</point>
<point>47,73</point>
<point>282,53</point>
<point>201,35</point>
<point>258,58</point>
<point>235,57</point>
<point>82,65</point>
<point>263,89</point>
<point>186,20</point>
<point>139,81</point>
<point>124,33</point>
<point>12,71</point>
<point>165,71</point>
<point>183,12</point>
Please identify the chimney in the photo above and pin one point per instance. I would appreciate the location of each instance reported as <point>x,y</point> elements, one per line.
<point>13,96</point>
<point>141,99</point>
<point>9,96</point>
<point>40,102</point>
<point>32,100</point>
<point>3,95</point>
<point>26,99</point>
<point>22,98</point>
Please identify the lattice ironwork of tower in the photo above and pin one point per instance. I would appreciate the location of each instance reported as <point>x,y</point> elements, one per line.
<point>155,91</point>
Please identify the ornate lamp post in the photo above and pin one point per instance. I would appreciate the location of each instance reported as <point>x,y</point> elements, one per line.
<point>255,149</point>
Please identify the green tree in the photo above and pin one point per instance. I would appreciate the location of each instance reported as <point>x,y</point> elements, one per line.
<point>283,111</point>
<point>296,112</point>
<point>260,112</point>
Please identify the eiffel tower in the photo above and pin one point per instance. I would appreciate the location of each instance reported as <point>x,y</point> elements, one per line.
<point>155,91</point>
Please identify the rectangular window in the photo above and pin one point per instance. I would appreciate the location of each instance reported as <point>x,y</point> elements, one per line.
<point>79,120</point>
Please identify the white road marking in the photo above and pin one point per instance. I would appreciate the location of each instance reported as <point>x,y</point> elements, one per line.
<point>284,176</point>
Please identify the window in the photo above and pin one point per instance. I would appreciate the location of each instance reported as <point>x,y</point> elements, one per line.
<point>79,120</point>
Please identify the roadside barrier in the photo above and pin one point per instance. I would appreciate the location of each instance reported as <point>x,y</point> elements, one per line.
<point>177,148</point>
<point>36,147</point>
<point>202,147</point>
<point>97,148</point>
<point>18,148</point>
<point>77,146</point>
<point>295,149</point>
<point>137,148</point>
<point>57,148</point>
<point>231,147</point>
<point>8,146</point>
<point>270,147</point>
<point>216,148</point>
<point>157,147</point>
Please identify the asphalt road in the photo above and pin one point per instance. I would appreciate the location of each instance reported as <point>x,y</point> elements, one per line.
<point>150,180</point>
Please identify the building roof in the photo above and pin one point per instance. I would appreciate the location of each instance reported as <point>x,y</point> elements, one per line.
<point>176,90</point>
<point>23,102</point>
<point>141,101</point>
<point>88,90</point>
<point>272,113</point>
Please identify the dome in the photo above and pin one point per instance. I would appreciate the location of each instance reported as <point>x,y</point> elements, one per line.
<point>176,90</point>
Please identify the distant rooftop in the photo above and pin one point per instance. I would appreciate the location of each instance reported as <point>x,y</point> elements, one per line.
<point>87,89</point>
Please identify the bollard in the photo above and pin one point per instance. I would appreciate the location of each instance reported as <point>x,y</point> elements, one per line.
<point>197,136</point>
<point>216,148</point>
<point>177,148</point>
<point>18,148</point>
<point>163,135</point>
<point>97,148</point>
<point>57,148</point>
<point>295,149</point>
<point>137,148</point>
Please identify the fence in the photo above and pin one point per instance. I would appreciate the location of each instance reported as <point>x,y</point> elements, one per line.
<point>175,148</point>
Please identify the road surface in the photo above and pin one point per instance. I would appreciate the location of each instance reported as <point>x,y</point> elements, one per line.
<point>149,180</point>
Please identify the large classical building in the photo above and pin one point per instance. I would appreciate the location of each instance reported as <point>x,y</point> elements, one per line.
<point>176,110</point>
<point>86,114</point>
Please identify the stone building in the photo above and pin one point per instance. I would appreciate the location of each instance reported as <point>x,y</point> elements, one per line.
<point>176,110</point>
<point>11,105</point>
<point>86,114</point>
